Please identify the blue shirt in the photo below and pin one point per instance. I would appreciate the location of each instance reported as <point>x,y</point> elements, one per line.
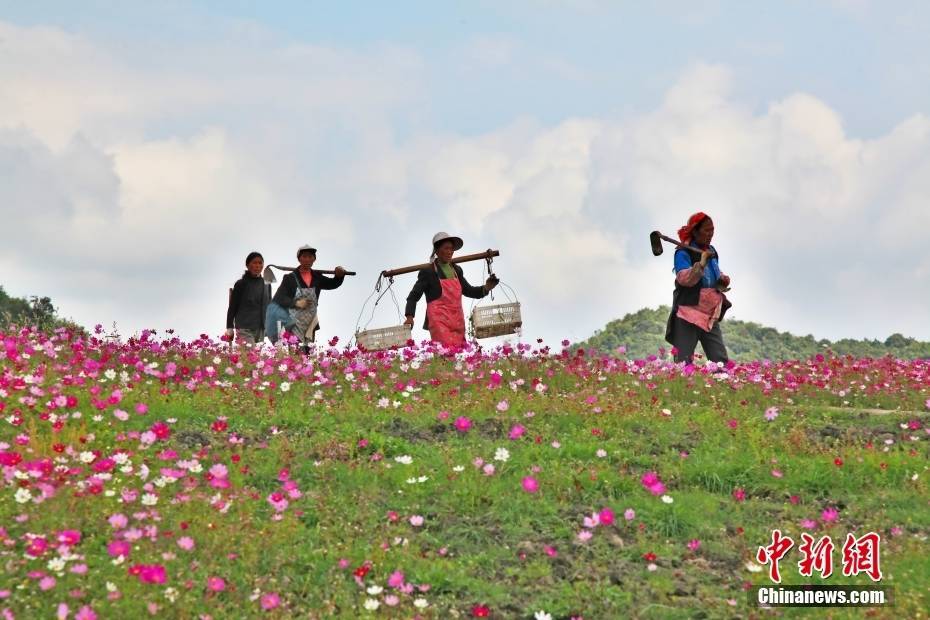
<point>711,271</point>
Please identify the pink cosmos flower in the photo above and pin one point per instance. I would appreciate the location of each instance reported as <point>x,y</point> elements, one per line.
<point>503,406</point>
<point>391,600</point>
<point>462,424</point>
<point>488,469</point>
<point>118,521</point>
<point>530,484</point>
<point>771,413</point>
<point>270,600</point>
<point>606,516</point>
<point>47,583</point>
<point>808,524</point>
<point>85,613</point>
<point>142,408</point>
<point>584,535</point>
<point>416,520</point>
<point>118,548</point>
<point>694,544</point>
<point>396,580</point>
<point>186,543</point>
<point>739,494</point>
<point>629,514</point>
<point>829,515</point>
<point>216,584</point>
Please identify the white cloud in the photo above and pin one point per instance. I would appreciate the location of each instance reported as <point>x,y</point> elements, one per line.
<point>137,190</point>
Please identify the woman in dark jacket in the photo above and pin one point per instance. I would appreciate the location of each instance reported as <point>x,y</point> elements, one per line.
<point>444,284</point>
<point>248,300</point>
<point>295,301</point>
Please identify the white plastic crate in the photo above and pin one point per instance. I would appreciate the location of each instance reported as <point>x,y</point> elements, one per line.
<point>497,320</point>
<point>383,337</point>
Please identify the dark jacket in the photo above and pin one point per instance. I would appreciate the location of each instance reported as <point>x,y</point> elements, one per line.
<point>428,284</point>
<point>284,296</point>
<point>247,303</point>
<point>689,295</point>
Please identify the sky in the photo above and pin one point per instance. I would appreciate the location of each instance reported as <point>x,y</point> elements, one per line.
<point>146,148</point>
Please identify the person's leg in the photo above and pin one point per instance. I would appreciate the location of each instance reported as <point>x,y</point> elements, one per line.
<point>712,342</point>
<point>685,338</point>
<point>245,336</point>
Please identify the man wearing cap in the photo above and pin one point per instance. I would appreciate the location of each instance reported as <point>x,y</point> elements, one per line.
<point>295,302</point>
<point>444,284</point>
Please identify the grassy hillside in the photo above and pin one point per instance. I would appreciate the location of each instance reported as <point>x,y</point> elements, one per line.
<point>643,334</point>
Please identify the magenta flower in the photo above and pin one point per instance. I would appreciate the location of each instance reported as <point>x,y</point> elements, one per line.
<point>85,613</point>
<point>694,544</point>
<point>517,431</point>
<point>118,548</point>
<point>216,584</point>
<point>606,516</point>
<point>462,424</point>
<point>396,580</point>
<point>270,600</point>
<point>829,515</point>
<point>530,484</point>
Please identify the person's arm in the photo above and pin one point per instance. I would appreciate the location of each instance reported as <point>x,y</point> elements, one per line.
<point>688,273</point>
<point>326,283</point>
<point>284,296</point>
<point>234,300</point>
<point>475,292</point>
<point>416,293</point>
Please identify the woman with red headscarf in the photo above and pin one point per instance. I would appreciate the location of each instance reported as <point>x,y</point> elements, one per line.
<point>698,304</point>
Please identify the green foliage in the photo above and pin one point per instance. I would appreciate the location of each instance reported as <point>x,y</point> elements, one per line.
<point>643,334</point>
<point>35,311</point>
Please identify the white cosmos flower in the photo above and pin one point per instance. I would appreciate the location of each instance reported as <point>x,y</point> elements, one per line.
<point>371,604</point>
<point>667,499</point>
<point>501,454</point>
<point>405,459</point>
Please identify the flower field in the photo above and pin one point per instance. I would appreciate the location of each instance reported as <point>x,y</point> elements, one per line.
<point>159,478</point>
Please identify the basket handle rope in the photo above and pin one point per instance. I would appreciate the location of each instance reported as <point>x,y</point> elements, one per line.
<point>378,285</point>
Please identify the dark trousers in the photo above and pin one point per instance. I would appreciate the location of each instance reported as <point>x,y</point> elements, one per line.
<point>686,336</point>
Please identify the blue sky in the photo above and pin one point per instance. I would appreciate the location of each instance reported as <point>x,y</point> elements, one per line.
<point>192,132</point>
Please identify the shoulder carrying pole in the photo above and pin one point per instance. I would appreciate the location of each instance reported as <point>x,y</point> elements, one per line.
<point>390,273</point>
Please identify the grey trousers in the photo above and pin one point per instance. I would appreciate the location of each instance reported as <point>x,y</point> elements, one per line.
<point>686,336</point>
<point>250,336</point>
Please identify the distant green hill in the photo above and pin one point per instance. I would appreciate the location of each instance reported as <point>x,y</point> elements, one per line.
<point>643,333</point>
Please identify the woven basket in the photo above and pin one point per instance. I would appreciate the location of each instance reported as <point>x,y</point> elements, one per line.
<point>383,337</point>
<point>497,320</point>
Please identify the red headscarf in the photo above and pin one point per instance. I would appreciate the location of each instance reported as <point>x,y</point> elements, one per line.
<point>684,233</point>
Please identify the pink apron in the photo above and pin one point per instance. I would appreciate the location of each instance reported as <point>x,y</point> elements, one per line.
<point>445,315</point>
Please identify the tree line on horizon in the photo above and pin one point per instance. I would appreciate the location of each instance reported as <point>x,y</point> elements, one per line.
<point>642,333</point>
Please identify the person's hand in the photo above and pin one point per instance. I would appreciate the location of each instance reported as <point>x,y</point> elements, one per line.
<point>725,280</point>
<point>229,334</point>
<point>705,256</point>
<point>340,271</point>
<point>491,283</point>
<point>300,303</point>
<point>409,321</point>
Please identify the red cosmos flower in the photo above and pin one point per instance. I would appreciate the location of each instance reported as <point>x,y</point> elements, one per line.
<point>361,571</point>
<point>838,462</point>
<point>650,557</point>
<point>480,611</point>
